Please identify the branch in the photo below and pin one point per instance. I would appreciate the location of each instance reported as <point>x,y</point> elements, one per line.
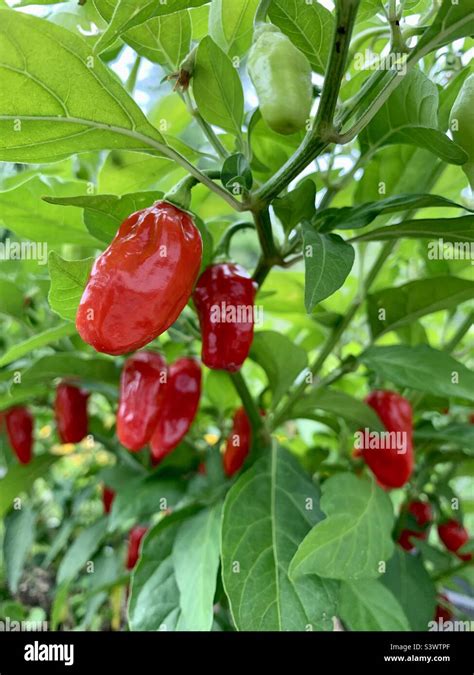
<point>317,139</point>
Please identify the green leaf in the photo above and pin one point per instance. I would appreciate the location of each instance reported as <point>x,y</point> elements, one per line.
<point>49,226</point>
<point>12,301</point>
<point>126,14</point>
<point>411,116</point>
<point>328,261</point>
<point>196,559</point>
<point>103,214</point>
<point>20,478</point>
<point>236,173</point>
<point>453,21</point>
<point>445,229</point>
<point>165,40</point>
<point>19,538</point>
<point>231,24</point>
<point>355,412</point>
<point>82,550</point>
<point>266,513</point>
<point>174,583</point>
<point>142,498</point>
<point>421,368</point>
<point>308,25</point>
<point>99,371</point>
<point>47,337</point>
<point>217,88</point>
<point>220,391</point>
<point>411,584</point>
<point>354,538</point>
<point>68,280</point>
<point>41,117</point>
<point>460,435</point>
<point>21,394</point>
<point>367,605</point>
<point>281,360</point>
<point>403,305</point>
<point>360,215</point>
<point>297,205</point>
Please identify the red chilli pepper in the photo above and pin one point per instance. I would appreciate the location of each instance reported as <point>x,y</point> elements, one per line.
<point>454,535</point>
<point>238,444</point>
<point>224,297</point>
<point>20,432</point>
<point>108,496</point>
<point>140,284</point>
<point>134,540</point>
<point>141,387</point>
<point>392,465</point>
<point>423,515</point>
<point>70,408</point>
<point>178,407</point>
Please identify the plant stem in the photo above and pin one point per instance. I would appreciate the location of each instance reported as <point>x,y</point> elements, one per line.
<point>346,13</point>
<point>132,78</point>
<point>335,335</point>
<point>362,37</point>
<point>206,128</point>
<point>263,225</point>
<point>449,573</point>
<point>262,11</point>
<point>314,143</point>
<point>247,400</point>
<point>460,333</point>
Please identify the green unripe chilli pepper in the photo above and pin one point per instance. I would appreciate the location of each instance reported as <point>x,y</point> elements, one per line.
<point>461,123</point>
<point>281,75</point>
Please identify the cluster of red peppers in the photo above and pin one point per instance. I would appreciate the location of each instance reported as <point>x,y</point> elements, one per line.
<point>70,409</point>
<point>136,290</point>
<point>157,404</point>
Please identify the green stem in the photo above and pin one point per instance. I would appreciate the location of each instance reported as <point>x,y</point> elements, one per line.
<point>263,225</point>
<point>132,78</point>
<point>460,333</point>
<point>206,128</point>
<point>262,11</point>
<point>362,37</point>
<point>454,570</point>
<point>247,401</point>
<point>346,13</point>
<point>317,139</point>
<point>335,335</point>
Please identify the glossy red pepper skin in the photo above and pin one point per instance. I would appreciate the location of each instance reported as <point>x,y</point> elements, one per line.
<point>141,387</point>
<point>238,444</point>
<point>178,408</point>
<point>108,496</point>
<point>454,535</point>
<point>423,515</point>
<point>141,283</point>
<point>391,467</point>
<point>19,423</point>
<point>70,408</point>
<point>134,540</point>
<point>224,297</point>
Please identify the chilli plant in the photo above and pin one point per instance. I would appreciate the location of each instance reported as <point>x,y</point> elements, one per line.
<point>236,290</point>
